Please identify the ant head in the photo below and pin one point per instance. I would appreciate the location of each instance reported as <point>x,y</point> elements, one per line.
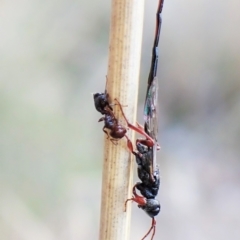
<point>101,102</point>
<point>151,208</point>
<point>142,148</point>
<point>100,97</point>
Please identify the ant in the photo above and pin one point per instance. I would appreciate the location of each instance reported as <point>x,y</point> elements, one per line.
<point>116,130</point>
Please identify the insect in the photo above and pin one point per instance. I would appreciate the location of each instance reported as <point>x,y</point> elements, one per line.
<point>148,187</point>
<point>145,155</point>
<point>111,123</point>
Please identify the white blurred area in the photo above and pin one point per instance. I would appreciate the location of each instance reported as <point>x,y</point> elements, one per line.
<point>53,56</point>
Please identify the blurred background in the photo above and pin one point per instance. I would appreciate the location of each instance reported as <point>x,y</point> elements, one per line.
<point>53,55</point>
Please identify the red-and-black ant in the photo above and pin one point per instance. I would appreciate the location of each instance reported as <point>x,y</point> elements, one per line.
<point>116,130</point>
<point>145,155</point>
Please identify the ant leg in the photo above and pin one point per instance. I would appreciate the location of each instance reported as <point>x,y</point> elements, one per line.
<point>114,141</point>
<point>140,126</point>
<point>129,144</point>
<point>106,84</point>
<point>153,226</point>
<point>105,132</point>
<point>108,108</point>
<point>114,104</point>
<point>101,119</point>
<point>138,129</point>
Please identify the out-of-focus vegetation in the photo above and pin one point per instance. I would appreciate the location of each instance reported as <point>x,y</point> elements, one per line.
<point>53,55</point>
